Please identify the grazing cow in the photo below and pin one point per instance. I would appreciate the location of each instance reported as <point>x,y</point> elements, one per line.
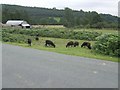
<point>49,43</point>
<point>76,44</point>
<point>29,42</point>
<point>87,44</point>
<point>71,43</point>
<point>36,38</point>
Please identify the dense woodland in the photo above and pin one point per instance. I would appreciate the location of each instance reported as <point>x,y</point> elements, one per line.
<point>67,17</point>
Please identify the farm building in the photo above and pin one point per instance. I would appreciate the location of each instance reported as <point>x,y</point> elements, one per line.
<point>21,23</point>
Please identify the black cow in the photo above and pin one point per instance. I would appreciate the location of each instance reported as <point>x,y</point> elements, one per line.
<point>36,38</point>
<point>86,44</point>
<point>76,44</point>
<point>71,43</point>
<point>49,43</point>
<point>29,41</point>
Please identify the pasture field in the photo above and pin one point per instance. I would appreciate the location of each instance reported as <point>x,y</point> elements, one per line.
<point>60,48</point>
<point>61,27</point>
<point>99,30</point>
<point>49,26</point>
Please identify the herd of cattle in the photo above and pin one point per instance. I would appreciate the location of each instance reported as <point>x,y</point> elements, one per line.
<point>69,44</point>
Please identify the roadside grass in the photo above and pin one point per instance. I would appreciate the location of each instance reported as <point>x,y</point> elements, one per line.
<point>60,48</point>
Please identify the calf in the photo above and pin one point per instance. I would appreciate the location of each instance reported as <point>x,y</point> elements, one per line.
<point>71,43</point>
<point>49,43</point>
<point>86,44</point>
<point>29,41</point>
<point>76,44</point>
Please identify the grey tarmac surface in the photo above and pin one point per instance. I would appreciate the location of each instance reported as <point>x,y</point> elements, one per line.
<point>31,68</point>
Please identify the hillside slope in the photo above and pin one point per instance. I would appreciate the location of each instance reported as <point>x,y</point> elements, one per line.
<point>37,15</point>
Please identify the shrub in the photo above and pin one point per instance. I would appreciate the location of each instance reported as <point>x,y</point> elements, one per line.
<point>65,34</point>
<point>108,44</point>
<point>7,37</point>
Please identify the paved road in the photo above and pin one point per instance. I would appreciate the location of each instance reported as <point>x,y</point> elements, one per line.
<point>31,68</point>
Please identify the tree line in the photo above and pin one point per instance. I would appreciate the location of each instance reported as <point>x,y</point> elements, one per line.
<point>67,17</point>
<point>89,19</point>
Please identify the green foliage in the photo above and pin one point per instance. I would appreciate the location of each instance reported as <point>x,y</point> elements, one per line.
<point>19,38</point>
<point>95,18</point>
<point>56,33</point>
<point>7,14</point>
<point>69,17</point>
<point>108,44</point>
